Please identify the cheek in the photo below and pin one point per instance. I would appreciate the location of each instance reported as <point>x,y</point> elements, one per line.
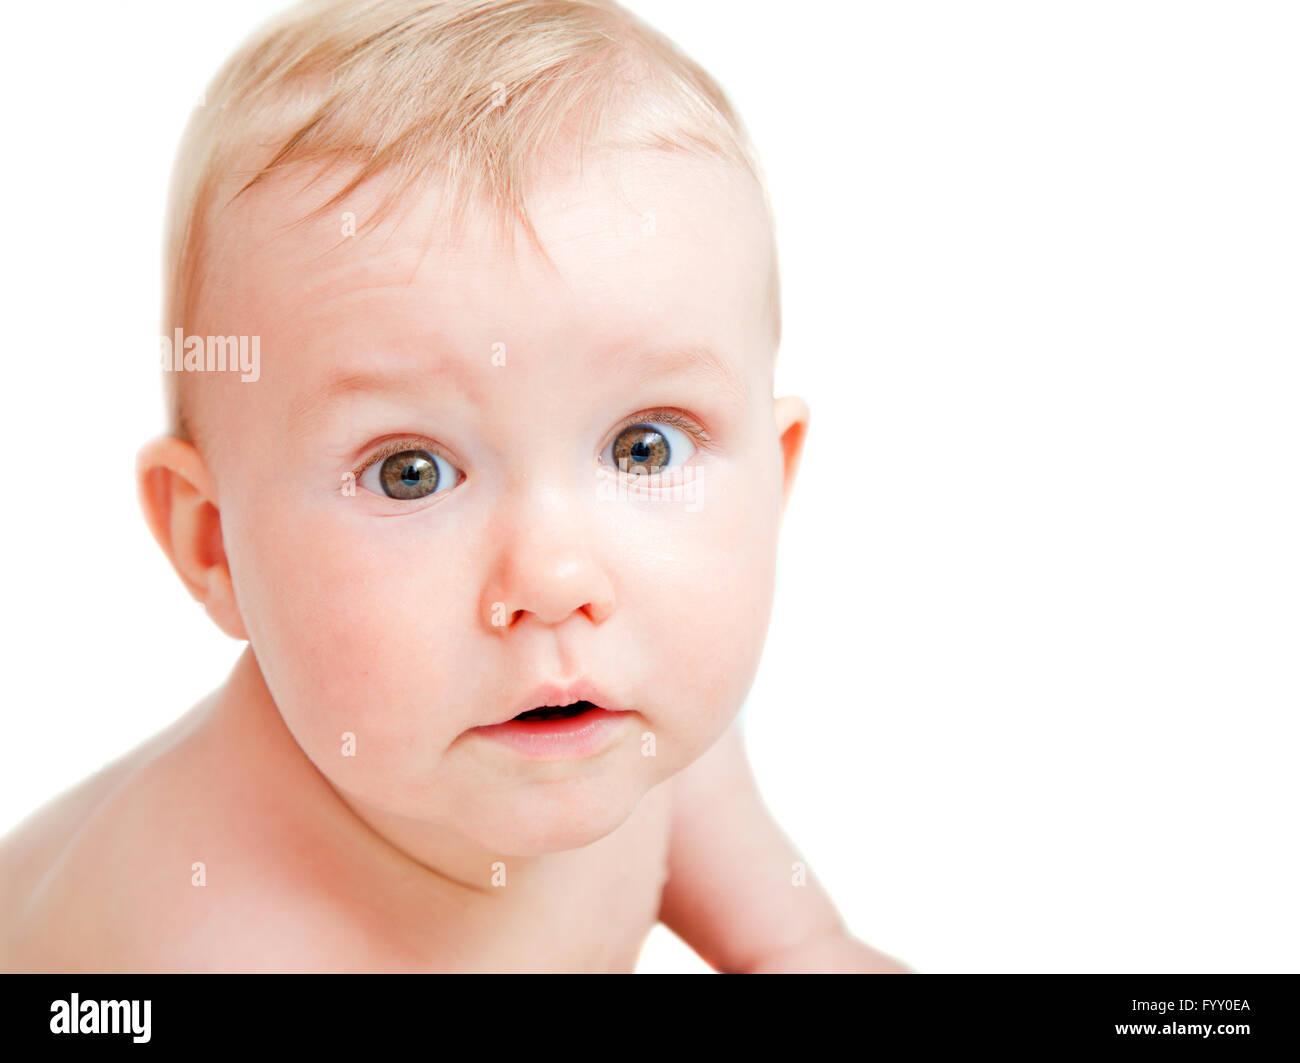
<point>697,594</point>
<point>356,632</point>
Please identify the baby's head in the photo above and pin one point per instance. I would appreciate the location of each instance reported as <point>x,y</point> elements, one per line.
<point>472,465</point>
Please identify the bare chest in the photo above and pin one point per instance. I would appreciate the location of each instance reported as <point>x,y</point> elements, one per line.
<point>593,918</point>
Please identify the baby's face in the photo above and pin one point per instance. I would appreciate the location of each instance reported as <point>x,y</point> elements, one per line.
<point>490,542</point>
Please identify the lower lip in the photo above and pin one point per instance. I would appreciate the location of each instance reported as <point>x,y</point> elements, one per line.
<point>577,736</point>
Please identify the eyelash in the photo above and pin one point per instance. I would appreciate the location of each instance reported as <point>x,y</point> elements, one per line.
<point>670,417</point>
<point>397,446</point>
<point>665,415</point>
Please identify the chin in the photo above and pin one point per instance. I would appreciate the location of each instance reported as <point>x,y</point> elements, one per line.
<point>557,815</point>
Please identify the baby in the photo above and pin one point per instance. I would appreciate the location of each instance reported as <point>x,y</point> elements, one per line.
<point>497,518</point>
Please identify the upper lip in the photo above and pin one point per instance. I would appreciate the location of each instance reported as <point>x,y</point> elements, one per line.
<point>562,694</point>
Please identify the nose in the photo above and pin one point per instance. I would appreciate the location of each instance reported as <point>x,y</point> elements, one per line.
<point>546,567</point>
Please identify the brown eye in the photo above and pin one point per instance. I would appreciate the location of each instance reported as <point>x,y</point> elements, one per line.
<point>649,448</point>
<point>409,474</point>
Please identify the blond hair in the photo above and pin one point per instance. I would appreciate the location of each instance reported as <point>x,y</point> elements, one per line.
<point>480,93</point>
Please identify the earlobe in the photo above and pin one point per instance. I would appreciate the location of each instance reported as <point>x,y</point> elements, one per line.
<point>178,497</point>
<point>792,417</point>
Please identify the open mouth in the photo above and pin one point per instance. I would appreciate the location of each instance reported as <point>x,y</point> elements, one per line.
<point>556,712</point>
<point>572,731</point>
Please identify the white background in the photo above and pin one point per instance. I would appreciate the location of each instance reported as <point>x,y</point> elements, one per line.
<point>1029,698</point>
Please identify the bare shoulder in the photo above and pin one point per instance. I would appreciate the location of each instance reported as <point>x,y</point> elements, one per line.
<point>30,849</point>
<point>172,864</point>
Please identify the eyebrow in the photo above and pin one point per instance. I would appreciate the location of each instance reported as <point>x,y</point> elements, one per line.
<point>368,381</point>
<point>697,360</point>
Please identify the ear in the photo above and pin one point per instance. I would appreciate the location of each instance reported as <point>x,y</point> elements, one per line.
<point>791,414</point>
<point>178,496</point>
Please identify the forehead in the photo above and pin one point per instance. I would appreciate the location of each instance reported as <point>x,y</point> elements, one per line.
<point>644,247</point>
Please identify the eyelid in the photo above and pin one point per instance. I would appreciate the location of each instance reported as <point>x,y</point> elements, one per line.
<point>397,446</point>
<point>661,414</point>
<point>668,415</point>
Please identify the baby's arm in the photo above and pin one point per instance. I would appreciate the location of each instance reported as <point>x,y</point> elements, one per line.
<point>730,893</point>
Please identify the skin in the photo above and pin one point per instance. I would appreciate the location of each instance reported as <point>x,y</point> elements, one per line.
<point>375,617</point>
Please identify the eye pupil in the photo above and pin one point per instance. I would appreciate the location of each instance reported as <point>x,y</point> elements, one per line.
<point>410,474</point>
<point>641,447</point>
